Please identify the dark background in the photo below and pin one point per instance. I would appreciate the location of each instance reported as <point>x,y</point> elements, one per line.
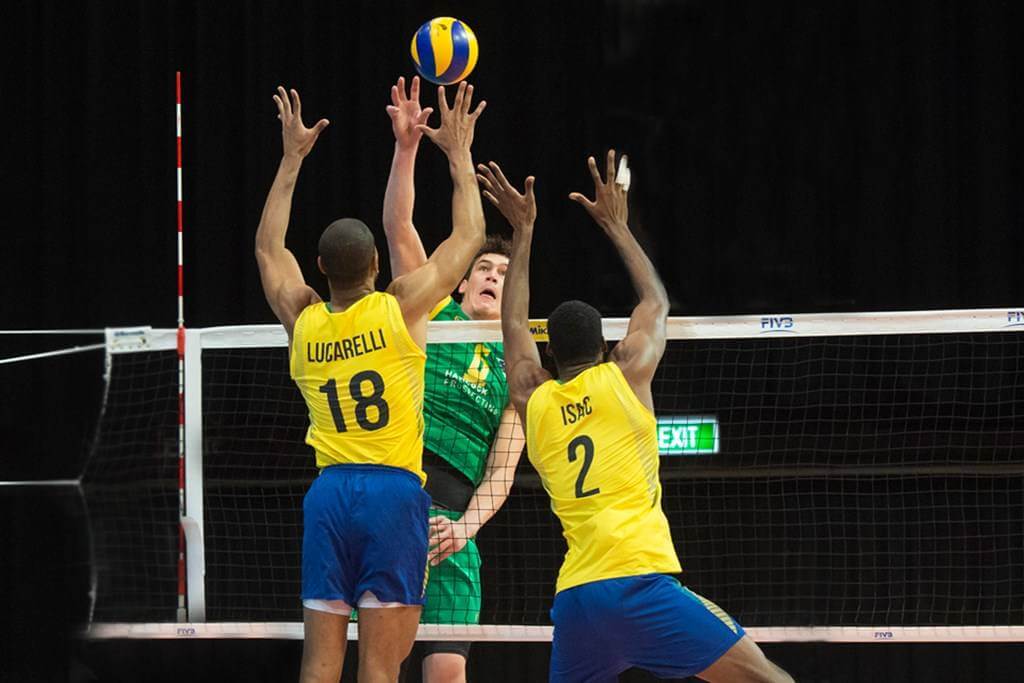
<point>787,157</point>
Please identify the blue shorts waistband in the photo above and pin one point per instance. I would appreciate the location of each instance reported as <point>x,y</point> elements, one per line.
<point>366,468</point>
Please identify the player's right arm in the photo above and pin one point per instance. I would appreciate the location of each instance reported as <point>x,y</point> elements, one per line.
<point>404,245</point>
<point>640,351</point>
<point>523,368</point>
<point>420,290</point>
<point>283,284</point>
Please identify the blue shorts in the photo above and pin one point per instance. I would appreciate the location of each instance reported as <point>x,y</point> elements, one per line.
<point>365,529</point>
<point>649,621</point>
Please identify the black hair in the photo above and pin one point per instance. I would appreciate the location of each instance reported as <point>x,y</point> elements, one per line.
<point>574,333</point>
<point>494,244</point>
<point>346,250</point>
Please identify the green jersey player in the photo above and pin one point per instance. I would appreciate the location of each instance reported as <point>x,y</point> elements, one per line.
<point>472,438</point>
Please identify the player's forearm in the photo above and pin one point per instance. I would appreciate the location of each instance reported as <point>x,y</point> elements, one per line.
<point>467,210</point>
<point>277,209</point>
<point>515,296</point>
<point>400,194</point>
<point>502,460</point>
<point>641,271</point>
<point>487,500</point>
<point>404,244</point>
<point>515,299</point>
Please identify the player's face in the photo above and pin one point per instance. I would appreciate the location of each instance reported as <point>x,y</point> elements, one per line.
<point>481,292</point>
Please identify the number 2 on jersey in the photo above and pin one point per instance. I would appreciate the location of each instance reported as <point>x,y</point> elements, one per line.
<point>588,458</point>
<point>362,401</point>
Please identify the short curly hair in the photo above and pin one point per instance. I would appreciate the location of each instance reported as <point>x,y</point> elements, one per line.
<point>574,332</point>
<point>494,244</point>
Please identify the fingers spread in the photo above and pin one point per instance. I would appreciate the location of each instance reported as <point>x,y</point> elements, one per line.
<point>479,110</point>
<point>529,185</point>
<point>623,175</point>
<point>491,198</point>
<point>442,100</point>
<point>467,100</point>
<point>425,114</point>
<point>488,174</point>
<point>485,180</point>
<point>592,165</point>
<point>505,185</point>
<point>580,199</point>
<point>427,130</point>
<point>286,103</point>
<point>298,103</point>
<point>414,89</point>
<point>609,171</point>
<point>460,95</point>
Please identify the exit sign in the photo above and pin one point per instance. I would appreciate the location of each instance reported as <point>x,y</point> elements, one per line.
<point>687,435</point>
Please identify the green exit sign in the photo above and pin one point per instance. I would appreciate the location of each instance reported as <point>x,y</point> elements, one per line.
<point>687,435</point>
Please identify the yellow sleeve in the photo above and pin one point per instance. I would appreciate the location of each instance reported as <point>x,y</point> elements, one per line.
<point>439,307</point>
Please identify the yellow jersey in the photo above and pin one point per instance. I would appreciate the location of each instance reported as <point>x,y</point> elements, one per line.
<point>595,447</point>
<point>361,375</point>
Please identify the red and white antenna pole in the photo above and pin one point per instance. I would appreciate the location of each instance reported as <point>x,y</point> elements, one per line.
<point>182,583</point>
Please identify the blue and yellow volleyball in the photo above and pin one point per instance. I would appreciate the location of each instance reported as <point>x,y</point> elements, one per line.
<point>444,50</point>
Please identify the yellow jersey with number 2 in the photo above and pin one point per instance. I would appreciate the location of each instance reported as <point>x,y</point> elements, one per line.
<point>361,375</point>
<point>595,447</point>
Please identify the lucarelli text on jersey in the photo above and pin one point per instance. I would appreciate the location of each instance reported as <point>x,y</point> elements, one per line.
<point>357,345</point>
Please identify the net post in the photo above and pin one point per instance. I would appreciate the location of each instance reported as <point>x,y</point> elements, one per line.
<point>192,522</point>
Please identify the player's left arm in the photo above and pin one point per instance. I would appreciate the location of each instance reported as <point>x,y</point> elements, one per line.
<point>448,537</point>
<point>640,351</point>
<point>419,291</point>
<point>404,245</point>
<point>283,283</point>
<point>522,360</point>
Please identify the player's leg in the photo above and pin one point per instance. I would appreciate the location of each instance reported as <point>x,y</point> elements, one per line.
<point>673,632</point>
<point>323,648</point>
<point>445,667</point>
<point>393,570</point>
<point>587,635</point>
<point>744,662</point>
<point>386,635</point>
<point>326,577</point>
<point>453,597</point>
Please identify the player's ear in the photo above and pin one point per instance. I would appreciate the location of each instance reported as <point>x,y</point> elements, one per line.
<point>320,265</point>
<point>374,269</point>
<point>462,286</point>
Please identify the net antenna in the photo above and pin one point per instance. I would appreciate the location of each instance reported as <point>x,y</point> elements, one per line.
<point>182,612</point>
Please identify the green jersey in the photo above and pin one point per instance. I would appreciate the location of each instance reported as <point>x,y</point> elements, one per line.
<point>466,393</point>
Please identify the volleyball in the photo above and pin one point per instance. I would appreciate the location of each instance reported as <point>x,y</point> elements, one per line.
<point>444,50</point>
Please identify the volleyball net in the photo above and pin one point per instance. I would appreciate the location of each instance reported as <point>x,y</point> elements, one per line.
<point>838,477</point>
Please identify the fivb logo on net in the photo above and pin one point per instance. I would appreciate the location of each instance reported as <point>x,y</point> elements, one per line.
<point>778,323</point>
<point>1014,319</point>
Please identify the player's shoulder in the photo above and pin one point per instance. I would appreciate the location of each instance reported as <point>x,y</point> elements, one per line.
<point>535,387</point>
<point>445,309</point>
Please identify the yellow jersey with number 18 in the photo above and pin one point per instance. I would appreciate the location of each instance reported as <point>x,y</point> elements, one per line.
<point>595,447</point>
<point>361,375</point>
